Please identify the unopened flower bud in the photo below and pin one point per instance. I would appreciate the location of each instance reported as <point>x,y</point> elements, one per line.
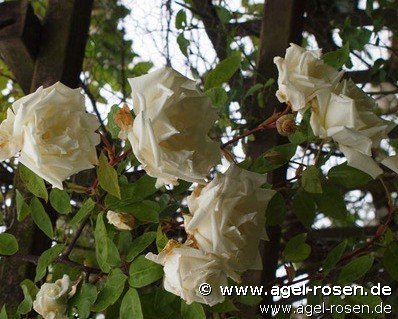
<point>121,221</point>
<point>286,125</point>
<point>124,120</point>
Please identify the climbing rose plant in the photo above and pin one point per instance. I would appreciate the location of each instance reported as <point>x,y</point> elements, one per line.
<point>162,222</point>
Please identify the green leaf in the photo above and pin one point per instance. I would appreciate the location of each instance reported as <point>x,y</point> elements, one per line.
<point>336,300</point>
<point>161,239</point>
<point>339,57</point>
<point>113,254</point>
<point>354,37</point>
<point>3,313</point>
<point>331,202</point>
<point>218,97</point>
<point>26,305</point>
<point>192,311</point>
<point>140,244</point>
<point>333,257</point>
<point>226,306</point>
<point>304,208</point>
<point>112,290</point>
<point>223,71</point>
<point>33,183</point>
<point>59,199</point>
<point>46,259</point>
<point>348,176</point>
<point>111,125</point>
<point>367,299</point>
<point>131,305</point>
<point>254,89</point>
<point>281,154</point>
<point>390,260</point>
<point>183,44</point>
<point>85,299</point>
<point>131,194</point>
<point>223,14</point>
<point>355,269</point>
<point>124,242</point>
<point>144,272</point>
<point>83,212</point>
<point>23,209</point>
<point>107,177</point>
<point>160,304</point>
<point>142,68</point>
<point>101,244</point>
<point>8,244</point>
<point>40,217</point>
<point>311,180</point>
<point>274,158</point>
<point>145,211</point>
<point>296,249</point>
<point>250,300</point>
<point>181,20</point>
<point>276,210</point>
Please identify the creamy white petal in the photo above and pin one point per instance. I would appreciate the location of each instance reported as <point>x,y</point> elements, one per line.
<point>391,162</point>
<point>55,135</point>
<point>169,133</point>
<point>51,300</point>
<point>228,217</point>
<point>186,268</point>
<point>10,143</point>
<point>301,74</point>
<point>362,162</point>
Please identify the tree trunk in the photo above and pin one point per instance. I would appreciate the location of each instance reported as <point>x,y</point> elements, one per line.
<point>282,24</point>
<point>60,58</point>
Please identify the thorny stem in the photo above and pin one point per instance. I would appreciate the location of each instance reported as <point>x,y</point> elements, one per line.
<point>108,146</point>
<point>266,125</point>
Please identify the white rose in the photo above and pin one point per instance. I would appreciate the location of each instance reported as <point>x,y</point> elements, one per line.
<point>121,221</point>
<point>186,268</point>
<point>169,133</point>
<point>229,217</point>
<point>51,300</point>
<point>301,74</point>
<point>54,134</point>
<point>346,115</point>
<point>9,146</point>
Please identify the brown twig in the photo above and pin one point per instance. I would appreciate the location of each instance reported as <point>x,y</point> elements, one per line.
<point>270,123</point>
<point>72,244</point>
<point>34,260</point>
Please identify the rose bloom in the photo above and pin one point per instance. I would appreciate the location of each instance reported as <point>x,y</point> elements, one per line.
<point>346,115</point>
<point>186,268</point>
<point>169,135</point>
<point>121,221</point>
<point>301,74</point>
<point>55,136</point>
<point>51,300</point>
<point>228,217</point>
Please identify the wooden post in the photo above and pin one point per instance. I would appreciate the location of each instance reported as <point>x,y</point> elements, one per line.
<point>282,23</point>
<point>57,55</point>
<point>63,42</point>
<point>19,40</point>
